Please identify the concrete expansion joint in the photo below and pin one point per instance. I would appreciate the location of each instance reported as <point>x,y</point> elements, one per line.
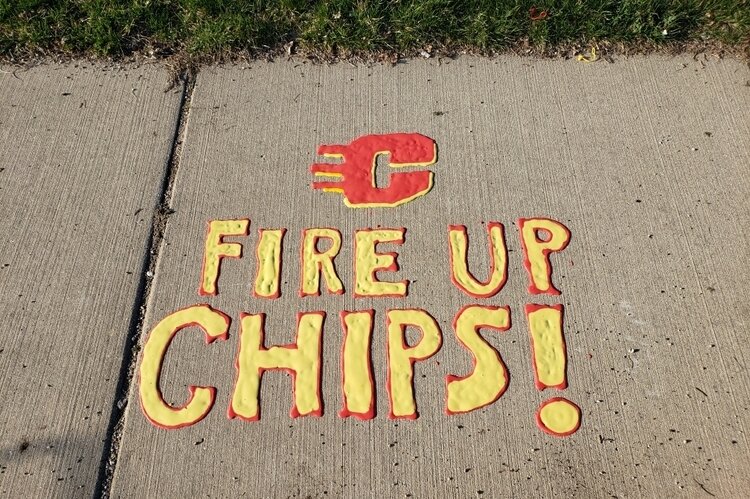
<point>159,223</point>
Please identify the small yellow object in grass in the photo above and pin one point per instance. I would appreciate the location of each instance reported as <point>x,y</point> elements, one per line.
<point>591,58</point>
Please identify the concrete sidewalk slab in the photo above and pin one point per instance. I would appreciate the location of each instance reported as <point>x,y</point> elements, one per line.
<point>83,153</point>
<point>645,161</point>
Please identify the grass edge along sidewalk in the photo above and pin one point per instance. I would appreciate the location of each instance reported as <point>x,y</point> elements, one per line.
<point>212,29</point>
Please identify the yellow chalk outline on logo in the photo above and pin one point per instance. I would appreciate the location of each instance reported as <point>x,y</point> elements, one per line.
<point>374,165</point>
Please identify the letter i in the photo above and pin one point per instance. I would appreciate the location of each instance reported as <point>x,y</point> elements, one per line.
<point>557,416</point>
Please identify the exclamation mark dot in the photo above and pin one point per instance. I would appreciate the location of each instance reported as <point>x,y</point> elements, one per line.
<point>557,416</point>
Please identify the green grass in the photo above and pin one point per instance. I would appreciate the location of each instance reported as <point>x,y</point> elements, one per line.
<point>215,27</point>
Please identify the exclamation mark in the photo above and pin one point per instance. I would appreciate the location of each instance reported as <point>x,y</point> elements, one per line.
<point>557,416</point>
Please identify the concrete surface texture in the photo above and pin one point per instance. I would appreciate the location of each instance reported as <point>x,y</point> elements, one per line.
<point>82,157</point>
<point>644,160</point>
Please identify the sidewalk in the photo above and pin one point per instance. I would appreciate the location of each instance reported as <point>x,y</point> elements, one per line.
<point>645,161</point>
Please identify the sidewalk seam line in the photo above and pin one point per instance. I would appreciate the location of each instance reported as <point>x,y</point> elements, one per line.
<point>111,449</point>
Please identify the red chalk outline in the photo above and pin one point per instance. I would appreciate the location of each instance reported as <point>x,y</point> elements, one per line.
<point>220,241</point>
<point>548,431</point>
<point>412,360</point>
<point>318,265</point>
<point>545,252</point>
<point>450,377</point>
<point>192,388</point>
<point>294,411</point>
<point>393,267</point>
<point>533,307</point>
<point>500,286</point>
<point>345,412</point>
<point>277,293</point>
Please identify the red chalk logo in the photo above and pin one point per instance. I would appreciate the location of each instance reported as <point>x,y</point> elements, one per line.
<point>356,173</point>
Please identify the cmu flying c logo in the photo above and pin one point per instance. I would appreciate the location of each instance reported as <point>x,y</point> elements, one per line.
<point>356,171</point>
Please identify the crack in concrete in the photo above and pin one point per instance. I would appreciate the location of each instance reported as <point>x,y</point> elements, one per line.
<point>136,331</point>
